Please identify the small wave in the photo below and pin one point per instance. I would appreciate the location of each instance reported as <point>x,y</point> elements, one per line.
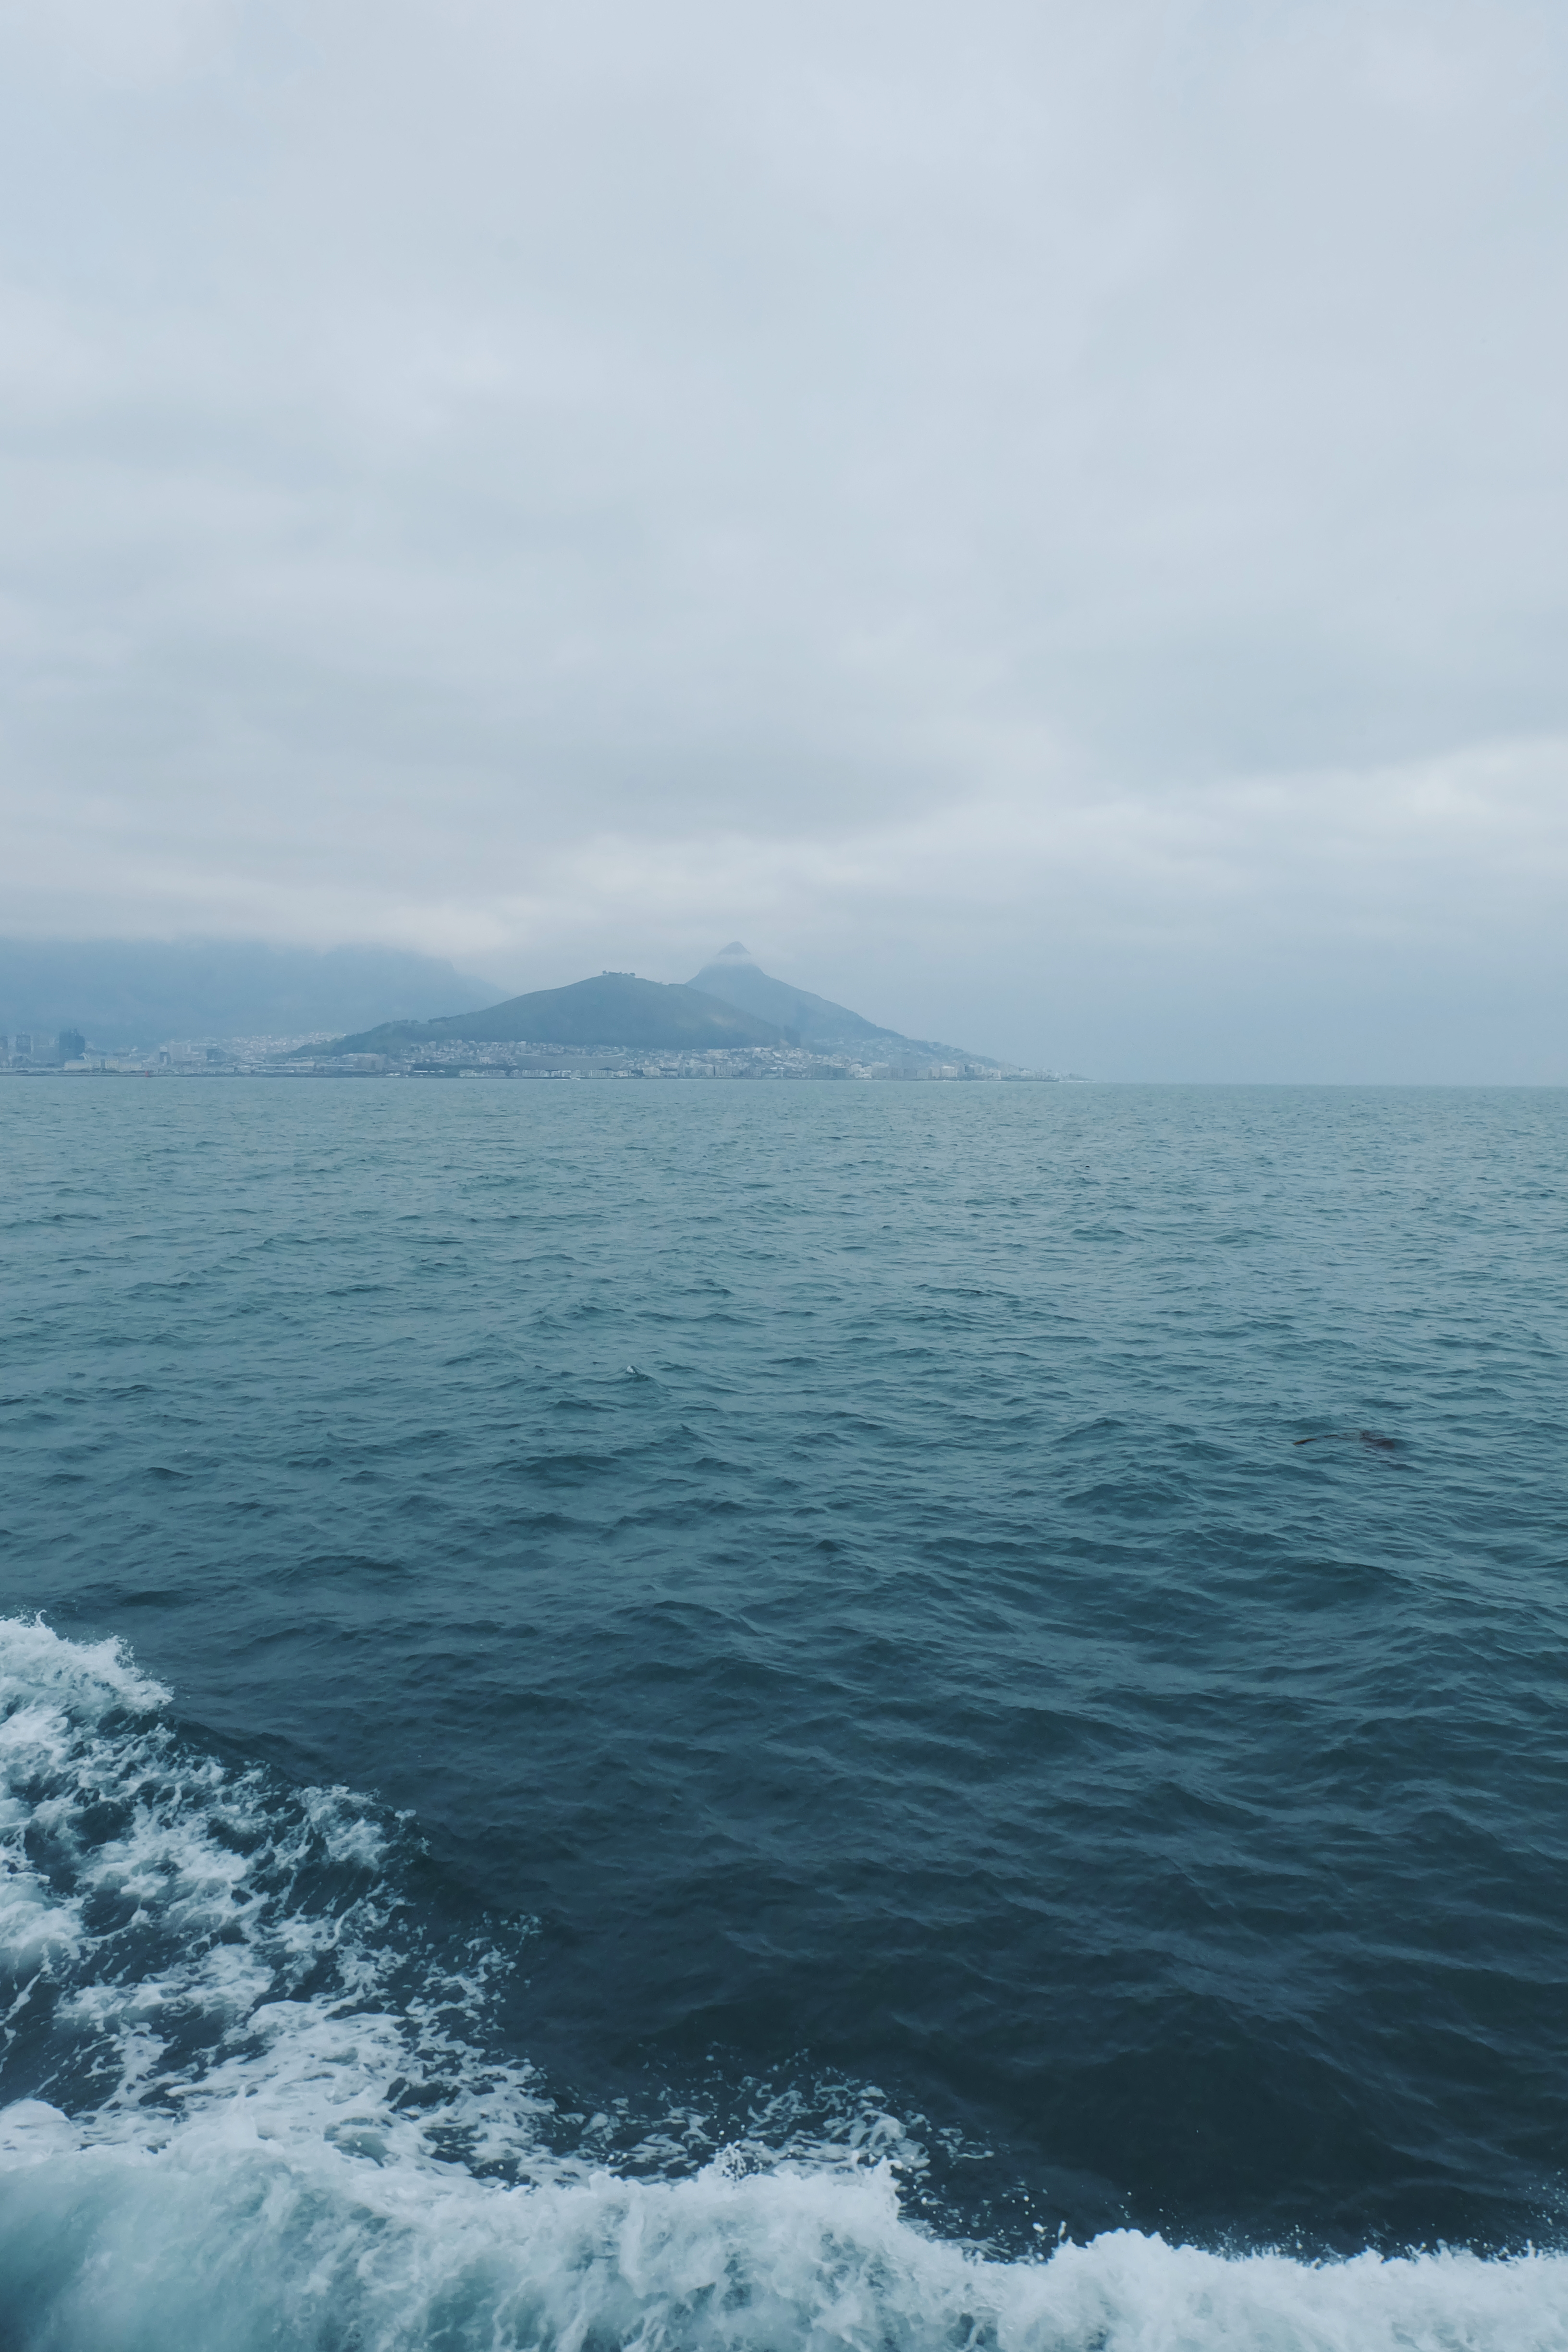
<point>224,2239</point>
<point>253,2103</point>
<point>176,1936</point>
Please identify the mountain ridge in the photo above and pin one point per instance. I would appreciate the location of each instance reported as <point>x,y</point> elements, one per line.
<point>731,1002</point>
<point>805,1018</point>
<point>735,977</point>
<point>618,1009</point>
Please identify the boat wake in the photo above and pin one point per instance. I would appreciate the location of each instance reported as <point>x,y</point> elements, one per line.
<point>253,2100</point>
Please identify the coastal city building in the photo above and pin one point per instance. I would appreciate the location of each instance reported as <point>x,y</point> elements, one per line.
<point>280,1057</point>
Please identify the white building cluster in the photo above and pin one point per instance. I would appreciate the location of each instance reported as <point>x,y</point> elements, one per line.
<point>68,1054</point>
<point>608,1061</point>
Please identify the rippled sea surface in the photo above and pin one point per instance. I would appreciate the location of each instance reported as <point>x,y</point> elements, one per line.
<point>705,1714</point>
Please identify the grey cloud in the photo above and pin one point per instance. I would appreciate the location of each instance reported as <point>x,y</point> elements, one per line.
<point>542,484</point>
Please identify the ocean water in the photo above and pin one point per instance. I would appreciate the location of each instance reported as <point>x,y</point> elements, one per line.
<point>716,1716</point>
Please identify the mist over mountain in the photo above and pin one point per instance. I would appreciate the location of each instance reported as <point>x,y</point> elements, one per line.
<point>139,992</point>
<point>618,1009</point>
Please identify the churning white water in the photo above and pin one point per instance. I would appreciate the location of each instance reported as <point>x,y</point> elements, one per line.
<point>264,2115</point>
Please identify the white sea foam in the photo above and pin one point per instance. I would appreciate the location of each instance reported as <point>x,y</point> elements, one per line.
<point>265,2116</point>
<point>224,2239</point>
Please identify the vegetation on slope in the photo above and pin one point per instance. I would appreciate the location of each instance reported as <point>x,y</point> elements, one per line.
<point>616,1009</point>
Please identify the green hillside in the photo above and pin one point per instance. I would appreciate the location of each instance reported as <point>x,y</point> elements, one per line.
<point>617,1009</point>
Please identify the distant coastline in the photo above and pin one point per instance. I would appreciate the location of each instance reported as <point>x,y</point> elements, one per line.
<point>557,1063</point>
<point>731,1021</point>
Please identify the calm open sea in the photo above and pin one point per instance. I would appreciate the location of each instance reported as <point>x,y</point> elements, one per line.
<point>715,1716</point>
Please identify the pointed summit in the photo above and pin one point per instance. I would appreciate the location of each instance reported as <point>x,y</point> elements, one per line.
<point>806,1020</point>
<point>813,1022</point>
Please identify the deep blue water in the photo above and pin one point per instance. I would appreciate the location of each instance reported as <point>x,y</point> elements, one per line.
<point>657,1707</point>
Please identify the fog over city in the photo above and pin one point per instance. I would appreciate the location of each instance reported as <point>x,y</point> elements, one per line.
<point>1048,522</point>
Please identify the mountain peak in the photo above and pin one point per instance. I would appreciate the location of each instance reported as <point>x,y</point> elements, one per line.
<point>807,1019</point>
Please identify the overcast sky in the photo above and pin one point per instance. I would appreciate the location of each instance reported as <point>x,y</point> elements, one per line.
<point>1050,521</point>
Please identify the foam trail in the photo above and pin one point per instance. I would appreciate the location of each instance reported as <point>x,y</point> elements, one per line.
<point>220,2239</point>
<point>258,2111</point>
